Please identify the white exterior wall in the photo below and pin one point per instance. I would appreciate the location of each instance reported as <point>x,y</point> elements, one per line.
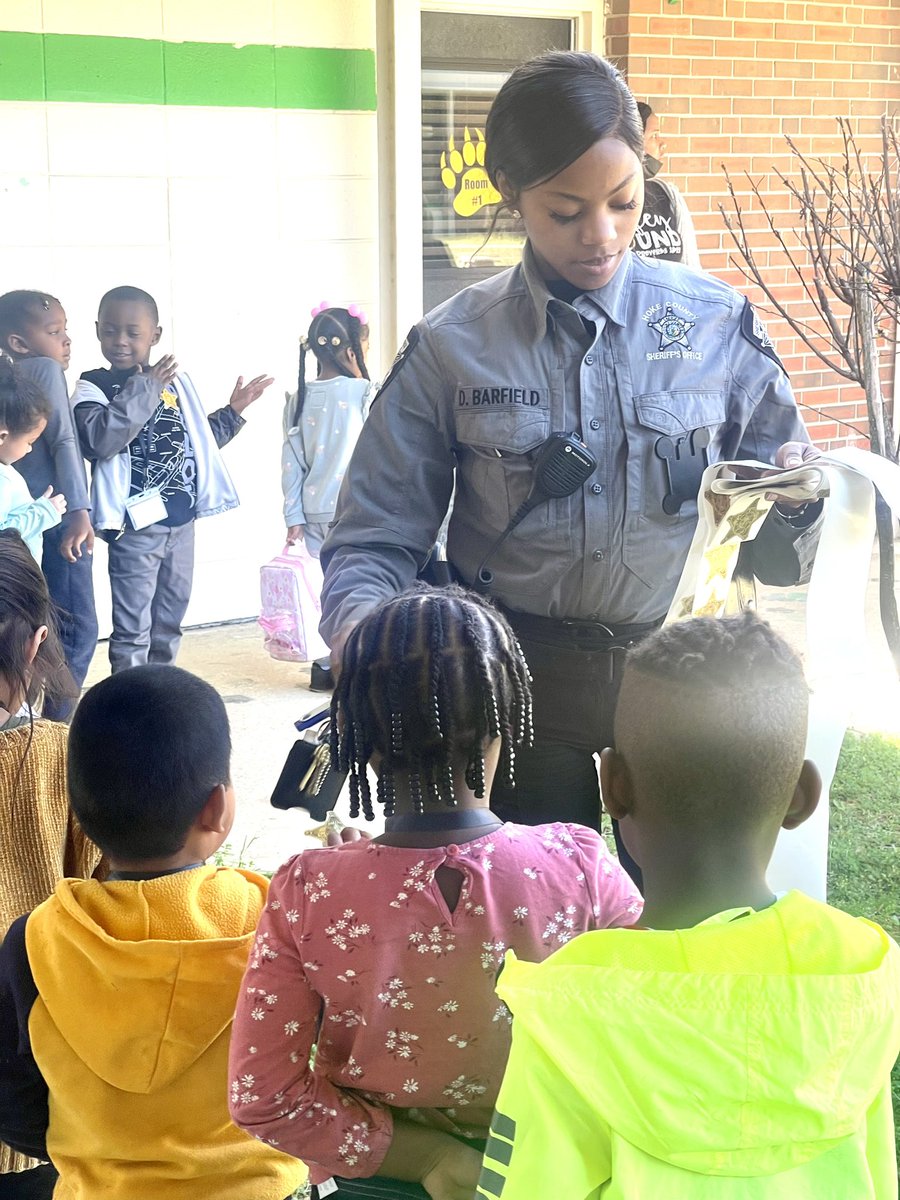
<point>237,220</point>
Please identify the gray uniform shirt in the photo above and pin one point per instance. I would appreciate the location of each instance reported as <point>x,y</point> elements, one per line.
<point>483,380</point>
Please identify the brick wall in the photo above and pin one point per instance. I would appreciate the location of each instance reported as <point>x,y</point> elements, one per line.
<point>730,78</point>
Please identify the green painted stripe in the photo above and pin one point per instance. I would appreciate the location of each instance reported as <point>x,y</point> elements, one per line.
<point>110,70</point>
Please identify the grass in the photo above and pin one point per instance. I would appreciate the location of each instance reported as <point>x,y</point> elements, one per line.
<point>863,878</point>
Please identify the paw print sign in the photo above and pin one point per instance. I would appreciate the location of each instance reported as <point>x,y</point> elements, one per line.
<point>463,173</point>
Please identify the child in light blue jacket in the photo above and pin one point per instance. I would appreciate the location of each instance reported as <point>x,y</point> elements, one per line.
<point>322,422</point>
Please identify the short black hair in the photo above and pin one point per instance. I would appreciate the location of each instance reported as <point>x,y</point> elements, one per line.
<point>646,112</point>
<point>146,748</point>
<point>712,720</point>
<point>130,293</point>
<point>22,403</point>
<point>21,308</point>
<point>430,674</point>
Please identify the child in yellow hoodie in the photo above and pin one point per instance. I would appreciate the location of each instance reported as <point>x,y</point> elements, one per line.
<point>116,998</point>
<point>738,1044</point>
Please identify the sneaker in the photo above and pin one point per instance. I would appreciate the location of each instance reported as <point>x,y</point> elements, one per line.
<point>320,679</point>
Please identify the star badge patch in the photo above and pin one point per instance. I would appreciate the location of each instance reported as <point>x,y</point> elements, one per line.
<point>672,329</point>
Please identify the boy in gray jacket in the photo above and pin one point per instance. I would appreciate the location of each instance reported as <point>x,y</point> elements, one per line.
<point>156,468</point>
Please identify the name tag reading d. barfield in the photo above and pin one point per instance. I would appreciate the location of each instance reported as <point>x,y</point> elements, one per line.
<point>501,397</point>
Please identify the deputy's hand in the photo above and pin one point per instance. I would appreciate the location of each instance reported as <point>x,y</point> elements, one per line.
<point>294,534</point>
<point>78,537</point>
<point>788,456</point>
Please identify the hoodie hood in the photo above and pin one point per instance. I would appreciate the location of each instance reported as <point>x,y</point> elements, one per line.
<point>158,965</point>
<point>746,1046</point>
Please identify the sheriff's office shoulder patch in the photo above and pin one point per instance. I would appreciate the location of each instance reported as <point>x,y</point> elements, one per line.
<point>754,330</point>
<point>412,339</point>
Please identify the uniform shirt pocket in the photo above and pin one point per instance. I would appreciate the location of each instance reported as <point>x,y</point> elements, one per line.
<point>655,542</point>
<point>494,462</point>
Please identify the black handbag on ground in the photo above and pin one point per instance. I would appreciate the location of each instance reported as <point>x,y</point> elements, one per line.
<point>307,779</point>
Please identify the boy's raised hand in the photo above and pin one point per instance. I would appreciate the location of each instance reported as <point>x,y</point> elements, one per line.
<point>245,393</point>
<point>161,372</point>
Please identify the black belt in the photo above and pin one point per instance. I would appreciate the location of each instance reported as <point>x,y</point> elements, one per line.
<point>579,634</point>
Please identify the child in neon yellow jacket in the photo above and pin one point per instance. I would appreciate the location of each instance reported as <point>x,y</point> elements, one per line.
<point>736,1045</point>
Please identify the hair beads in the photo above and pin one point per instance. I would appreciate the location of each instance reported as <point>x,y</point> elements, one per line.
<point>430,675</point>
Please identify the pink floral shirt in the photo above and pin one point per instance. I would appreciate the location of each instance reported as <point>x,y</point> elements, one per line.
<point>358,954</point>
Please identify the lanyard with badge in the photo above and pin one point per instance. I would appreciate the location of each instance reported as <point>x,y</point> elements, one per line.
<point>147,506</point>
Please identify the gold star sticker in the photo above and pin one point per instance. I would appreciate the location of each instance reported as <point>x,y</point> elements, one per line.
<point>333,824</point>
<point>711,608</point>
<point>719,559</point>
<point>168,397</point>
<point>741,524</point>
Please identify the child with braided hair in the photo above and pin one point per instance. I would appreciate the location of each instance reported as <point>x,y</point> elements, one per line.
<point>384,952</point>
<point>322,422</point>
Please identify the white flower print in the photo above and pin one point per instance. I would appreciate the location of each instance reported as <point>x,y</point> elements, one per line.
<point>242,1090</point>
<point>437,940</point>
<point>399,1044</point>
<point>558,838</point>
<point>462,1090</point>
<point>348,1017</point>
<point>474,910</point>
<point>292,916</point>
<point>561,925</point>
<point>353,1069</point>
<point>271,999</point>
<point>262,951</point>
<point>530,872</point>
<point>258,1014</point>
<point>410,1086</point>
<point>460,1042</point>
<point>346,930</point>
<point>291,1027</point>
<point>492,954</point>
<point>449,1006</point>
<point>274,905</point>
<point>395,995</point>
<point>316,889</point>
<point>502,1013</point>
<point>520,912</point>
<point>417,879</point>
<point>312,966</point>
<point>349,976</point>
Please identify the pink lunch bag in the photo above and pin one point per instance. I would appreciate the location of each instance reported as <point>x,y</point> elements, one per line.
<point>290,586</point>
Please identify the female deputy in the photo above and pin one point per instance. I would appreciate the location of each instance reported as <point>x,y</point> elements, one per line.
<point>653,366</point>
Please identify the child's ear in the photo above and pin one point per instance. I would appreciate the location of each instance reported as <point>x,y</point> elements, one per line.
<point>4,434</point>
<point>806,796</point>
<point>157,335</point>
<point>16,346</point>
<point>217,813</point>
<point>34,643</point>
<point>616,788</point>
<point>97,329</point>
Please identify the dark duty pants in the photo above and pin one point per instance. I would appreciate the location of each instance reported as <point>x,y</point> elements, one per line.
<point>72,591</point>
<point>577,671</point>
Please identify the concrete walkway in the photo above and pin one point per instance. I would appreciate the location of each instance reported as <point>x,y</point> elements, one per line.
<point>265,697</point>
